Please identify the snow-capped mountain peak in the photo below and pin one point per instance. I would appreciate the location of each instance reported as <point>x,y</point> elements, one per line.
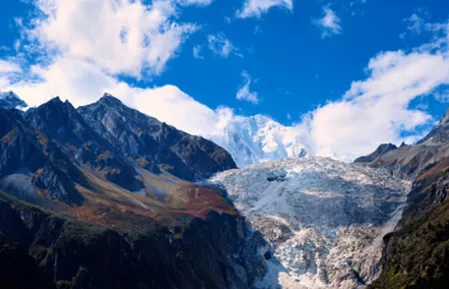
<point>10,100</point>
<point>259,138</point>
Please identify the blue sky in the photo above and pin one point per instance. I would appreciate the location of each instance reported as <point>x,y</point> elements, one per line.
<point>295,61</point>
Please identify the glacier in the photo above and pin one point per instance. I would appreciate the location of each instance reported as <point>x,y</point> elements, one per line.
<point>323,218</point>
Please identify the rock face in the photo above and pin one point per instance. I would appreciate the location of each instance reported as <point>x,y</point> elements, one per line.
<point>217,252</point>
<point>31,164</point>
<point>416,253</point>
<point>255,139</point>
<point>155,145</point>
<point>61,122</point>
<point>325,219</point>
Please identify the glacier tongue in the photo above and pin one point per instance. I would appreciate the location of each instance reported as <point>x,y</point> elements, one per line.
<point>325,219</point>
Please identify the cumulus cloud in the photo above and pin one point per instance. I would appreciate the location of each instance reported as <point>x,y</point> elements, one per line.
<point>245,93</point>
<point>329,24</point>
<point>255,8</point>
<point>222,46</point>
<point>121,37</point>
<point>377,110</point>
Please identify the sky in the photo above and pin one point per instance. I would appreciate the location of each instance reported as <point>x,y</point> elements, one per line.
<point>347,74</point>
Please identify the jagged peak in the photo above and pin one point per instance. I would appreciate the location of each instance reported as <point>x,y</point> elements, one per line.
<point>110,99</point>
<point>57,102</point>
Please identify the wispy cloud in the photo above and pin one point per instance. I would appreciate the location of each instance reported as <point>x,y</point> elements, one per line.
<point>329,24</point>
<point>197,52</point>
<point>222,46</point>
<point>256,8</point>
<point>245,93</point>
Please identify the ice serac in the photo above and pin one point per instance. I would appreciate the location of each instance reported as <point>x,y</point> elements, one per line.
<point>254,139</point>
<point>10,100</point>
<point>154,145</point>
<point>324,218</point>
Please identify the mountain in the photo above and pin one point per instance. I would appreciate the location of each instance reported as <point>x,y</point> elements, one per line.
<point>154,145</point>
<point>31,166</point>
<point>416,253</point>
<point>63,124</point>
<point>70,213</point>
<point>10,100</point>
<point>255,139</point>
<point>409,161</point>
<point>380,151</point>
<point>325,219</point>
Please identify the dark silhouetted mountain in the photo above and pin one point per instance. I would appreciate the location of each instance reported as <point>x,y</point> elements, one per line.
<point>155,145</point>
<point>62,123</point>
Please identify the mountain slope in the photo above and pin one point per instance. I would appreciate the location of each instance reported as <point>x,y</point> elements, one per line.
<point>251,140</point>
<point>155,145</point>
<point>325,219</point>
<point>417,252</point>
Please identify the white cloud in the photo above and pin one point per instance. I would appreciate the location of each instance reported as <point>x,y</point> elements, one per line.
<point>245,93</point>
<point>9,67</point>
<point>83,83</point>
<point>374,110</point>
<point>197,52</point>
<point>255,8</point>
<point>119,36</point>
<point>222,46</point>
<point>377,110</point>
<point>329,24</point>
